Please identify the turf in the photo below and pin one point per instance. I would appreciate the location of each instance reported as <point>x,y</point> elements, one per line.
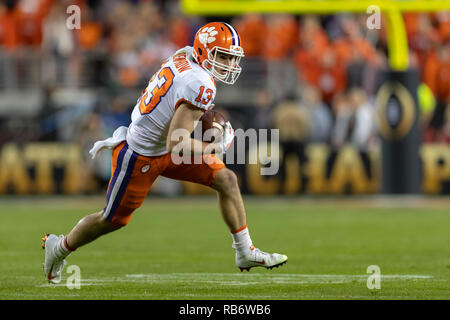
<point>180,249</point>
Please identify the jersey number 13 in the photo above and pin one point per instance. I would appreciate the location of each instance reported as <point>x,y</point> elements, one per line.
<point>157,88</point>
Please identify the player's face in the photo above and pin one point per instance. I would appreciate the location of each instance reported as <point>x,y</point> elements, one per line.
<point>225,59</point>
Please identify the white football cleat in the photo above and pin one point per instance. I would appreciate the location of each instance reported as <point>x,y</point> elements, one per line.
<point>258,258</point>
<point>53,266</point>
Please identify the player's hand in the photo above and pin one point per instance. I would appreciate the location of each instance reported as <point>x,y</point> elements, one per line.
<point>228,136</point>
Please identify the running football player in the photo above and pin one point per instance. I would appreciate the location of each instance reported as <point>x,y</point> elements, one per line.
<point>175,98</point>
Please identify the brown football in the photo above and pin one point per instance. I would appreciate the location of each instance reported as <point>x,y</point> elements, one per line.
<point>212,119</point>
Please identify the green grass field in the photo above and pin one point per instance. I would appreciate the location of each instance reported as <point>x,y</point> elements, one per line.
<point>180,249</point>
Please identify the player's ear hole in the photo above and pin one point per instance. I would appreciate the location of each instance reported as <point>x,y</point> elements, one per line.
<point>200,51</point>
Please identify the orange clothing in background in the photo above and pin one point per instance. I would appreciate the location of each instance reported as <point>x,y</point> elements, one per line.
<point>323,72</point>
<point>180,32</point>
<point>252,30</point>
<point>30,28</point>
<point>332,80</point>
<point>411,20</point>
<point>307,58</point>
<point>23,24</point>
<point>31,15</point>
<point>316,41</point>
<point>437,76</point>
<point>348,50</point>
<point>307,63</point>
<point>9,31</point>
<point>281,37</point>
<point>128,76</point>
<point>89,35</point>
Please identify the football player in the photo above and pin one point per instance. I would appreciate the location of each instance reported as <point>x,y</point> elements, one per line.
<point>175,98</point>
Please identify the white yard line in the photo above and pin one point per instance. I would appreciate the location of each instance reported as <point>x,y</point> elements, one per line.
<point>240,279</point>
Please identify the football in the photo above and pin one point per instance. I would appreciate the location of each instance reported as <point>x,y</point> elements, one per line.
<point>215,121</point>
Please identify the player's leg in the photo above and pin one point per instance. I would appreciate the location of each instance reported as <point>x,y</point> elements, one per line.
<point>120,201</point>
<point>233,213</point>
<point>88,229</point>
<point>57,248</point>
<point>213,173</point>
<point>127,190</point>
<point>230,199</point>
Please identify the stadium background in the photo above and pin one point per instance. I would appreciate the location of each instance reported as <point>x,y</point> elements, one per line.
<point>315,76</point>
<point>360,111</point>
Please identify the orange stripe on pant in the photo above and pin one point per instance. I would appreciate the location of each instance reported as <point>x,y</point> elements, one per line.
<point>132,175</point>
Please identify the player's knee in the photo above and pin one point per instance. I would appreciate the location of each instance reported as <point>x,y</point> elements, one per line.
<point>119,222</point>
<point>225,181</point>
<point>113,224</point>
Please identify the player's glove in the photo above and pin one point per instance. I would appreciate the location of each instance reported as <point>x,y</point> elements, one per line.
<point>228,136</point>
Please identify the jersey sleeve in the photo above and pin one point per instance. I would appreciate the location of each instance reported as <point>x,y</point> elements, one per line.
<point>197,92</point>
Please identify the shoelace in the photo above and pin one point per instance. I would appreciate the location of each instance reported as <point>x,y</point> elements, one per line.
<point>261,253</point>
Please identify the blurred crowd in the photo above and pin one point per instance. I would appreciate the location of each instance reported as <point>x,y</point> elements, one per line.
<point>337,60</point>
<point>334,60</point>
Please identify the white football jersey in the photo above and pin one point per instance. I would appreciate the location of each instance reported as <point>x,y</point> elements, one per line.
<point>180,79</point>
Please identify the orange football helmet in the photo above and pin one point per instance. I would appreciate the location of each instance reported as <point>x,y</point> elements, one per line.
<point>212,39</point>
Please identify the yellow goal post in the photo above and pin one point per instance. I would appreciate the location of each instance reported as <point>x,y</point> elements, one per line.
<point>397,39</point>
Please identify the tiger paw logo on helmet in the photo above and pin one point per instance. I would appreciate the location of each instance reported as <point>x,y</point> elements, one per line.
<point>212,42</point>
<point>206,36</point>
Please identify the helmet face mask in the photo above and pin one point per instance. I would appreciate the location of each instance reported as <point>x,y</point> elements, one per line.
<point>227,73</point>
<point>212,42</point>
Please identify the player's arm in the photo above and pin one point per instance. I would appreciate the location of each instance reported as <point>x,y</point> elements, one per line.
<point>180,129</point>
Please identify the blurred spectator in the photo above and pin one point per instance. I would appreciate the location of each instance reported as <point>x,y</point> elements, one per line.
<point>30,16</point>
<point>293,121</point>
<point>443,23</point>
<point>437,122</point>
<point>57,38</point>
<point>181,32</point>
<point>366,75</point>
<point>115,113</point>
<point>9,32</point>
<point>90,33</point>
<point>130,38</point>
<point>439,132</point>
<point>281,36</point>
<point>57,46</point>
<point>124,57</point>
<point>313,45</point>
<point>154,51</point>
<point>422,37</point>
<point>96,172</point>
<point>332,78</point>
<point>321,120</point>
<point>252,30</point>
<point>437,72</point>
<point>135,58</point>
<point>323,72</point>
<point>364,119</point>
<point>264,102</point>
<point>48,123</point>
<point>294,124</point>
<point>316,61</point>
<point>126,62</point>
<point>352,45</point>
<point>354,120</point>
<point>344,121</point>
<point>313,39</point>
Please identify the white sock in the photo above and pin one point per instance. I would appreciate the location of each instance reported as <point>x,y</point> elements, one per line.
<point>242,242</point>
<point>62,250</point>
